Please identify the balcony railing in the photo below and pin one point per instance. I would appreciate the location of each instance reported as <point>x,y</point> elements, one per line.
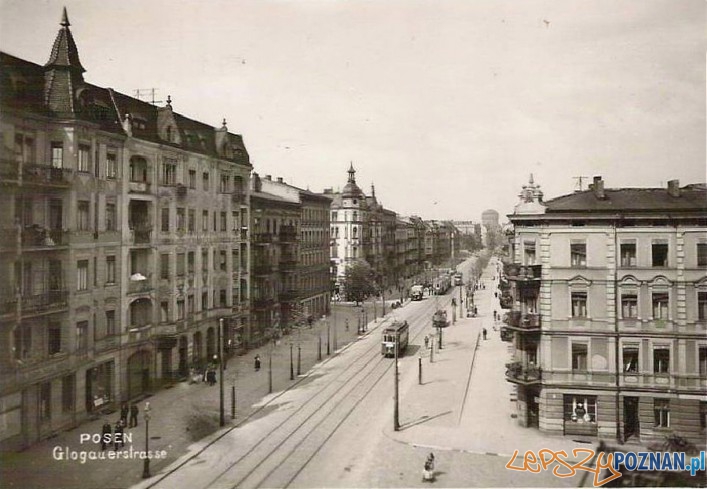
<point>288,234</point>
<point>141,235</point>
<point>36,236</point>
<point>523,272</point>
<point>289,295</point>
<point>107,343</point>
<point>522,373</point>
<point>262,268</point>
<point>139,286</point>
<point>42,174</point>
<point>262,238</point>
<point>139,187</point>
<point>53,299</point>
<point>518,320</point>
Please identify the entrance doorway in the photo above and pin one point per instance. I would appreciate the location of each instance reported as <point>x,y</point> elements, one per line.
<point>632,425</point>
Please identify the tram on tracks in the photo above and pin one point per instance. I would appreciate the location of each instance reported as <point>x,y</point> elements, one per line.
<point>398,334</point>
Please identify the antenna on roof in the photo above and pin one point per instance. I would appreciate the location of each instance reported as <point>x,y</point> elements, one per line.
<point>147,95</point>
<point>580,179</point>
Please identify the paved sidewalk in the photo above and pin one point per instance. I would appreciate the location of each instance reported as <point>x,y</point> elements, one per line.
<point>181,414</point>
<point>465,402</point>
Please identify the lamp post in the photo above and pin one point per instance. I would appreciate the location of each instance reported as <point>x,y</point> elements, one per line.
<point>222,417</point>
<point>146,466</point>
<point>396,413</point>
<point>292,367</point>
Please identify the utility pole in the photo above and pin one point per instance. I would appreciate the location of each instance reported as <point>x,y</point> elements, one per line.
<point>396,418</point>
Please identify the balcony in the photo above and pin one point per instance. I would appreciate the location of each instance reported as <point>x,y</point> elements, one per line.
<point>139,187</point>
<point>238,198</point>
<point>107,343</point>
<point>262,238</point>
<point>523,322</point>
<point>262,269</point>
<point>288,262</point>
<point>139,286</point>
<point>38,237</point>
<point>141,235</point>
<point>47,175</point>
<point>244,234</point>
<point>288,234</point>
<point>522,373</point>
<point>523,272</point>
<point>45,302</point>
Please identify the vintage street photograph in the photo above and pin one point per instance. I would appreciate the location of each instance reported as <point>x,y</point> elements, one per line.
<point>353,244</point>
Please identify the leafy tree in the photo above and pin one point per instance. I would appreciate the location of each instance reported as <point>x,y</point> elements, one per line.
<point>359,281</point>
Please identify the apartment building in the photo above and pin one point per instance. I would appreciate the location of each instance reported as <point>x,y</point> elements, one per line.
<point>609,312</point>
<point>124,243</point>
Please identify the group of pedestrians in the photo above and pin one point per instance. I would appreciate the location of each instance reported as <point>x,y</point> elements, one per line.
<point>116,436</point>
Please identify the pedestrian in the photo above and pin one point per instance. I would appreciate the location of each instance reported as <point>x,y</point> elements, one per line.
<point>106,435</point>
<point>124,413</point>
<point>347,324</point>
<point>257,363</point>
<point>212,376</point>
<point>118,435</point>
<point>476,310</point>
<point>484,333</point>
<point>133,415</point>
<point>427,342</point>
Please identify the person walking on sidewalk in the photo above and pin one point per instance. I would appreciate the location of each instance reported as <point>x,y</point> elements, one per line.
<point>134,411</point>
<point>257,363</point>
<point>427,342</point>
<point>484,332</point>
<point>106,435</point>
<point>124,413</point>
<point>118,435</point>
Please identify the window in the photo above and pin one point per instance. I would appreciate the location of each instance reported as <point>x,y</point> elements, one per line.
<point>703,415</point>
<point>222,260</point>
<point>225,184</point>
<point>224,228</point>
<point>82,275</point>
<point>529,252</point>
<point>110,323</point>
<point>629,306</point>
<point>222,298</point>
<point>110,269</point>
<point>205,180</point>
<point>181,219</point>
<point>165,220</point>
<point>661,360</point>
<point>84,158</point>
<point>111,217</point>
<point>628,254</point>
<point>204,301</point>
<point>67,393</point>
<point>54,338</point>
<point>57,155</point>
<point>111,165</point>
<point>180,264</point>
<point>23,341</point>
<point>164,265</point>
<point>24,149</point>
<point>192,179</point>
<point>579,357</point>
<point>660,254</point>
<point>579,304</point>
<point>191,222</point>
<point>190,262</point>
<point>205,220</point>
<point>45,401</point>
<point>702,356</point>
<point>578,254</point>
<point>81,336</point>
<point>660,305</point>
<point>630,359</point>
<point>169,172</point>
<point>701,305</point>
<point>180,309</point>
<point>82,215</point>
<point>190,304</point>
<point>579,409</point>
<point>661,409</point>
<point>164,311</point>
<point>205,261</point>
<point>234,221</point>
<point>333,215</point>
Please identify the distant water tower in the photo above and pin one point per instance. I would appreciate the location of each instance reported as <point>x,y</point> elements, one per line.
<point>489,218</point>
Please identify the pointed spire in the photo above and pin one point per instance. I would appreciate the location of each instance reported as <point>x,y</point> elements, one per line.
<point>352,174</point>
<point>373,190</point>
<point>65,19</point>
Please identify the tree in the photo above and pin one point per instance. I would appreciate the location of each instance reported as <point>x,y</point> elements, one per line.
<point>359,281</point>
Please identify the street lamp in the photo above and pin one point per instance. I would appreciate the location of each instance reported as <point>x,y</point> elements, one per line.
<point>292,368</point>
<point>146,466</point>
<point>222,416</point>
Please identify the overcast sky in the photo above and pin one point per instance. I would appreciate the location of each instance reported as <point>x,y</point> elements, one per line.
<point>446,106</point>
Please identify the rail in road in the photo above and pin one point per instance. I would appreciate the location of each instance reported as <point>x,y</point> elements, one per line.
<point>297,431</point>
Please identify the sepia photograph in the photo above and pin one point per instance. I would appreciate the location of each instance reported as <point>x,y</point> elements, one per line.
<point>353,244</point>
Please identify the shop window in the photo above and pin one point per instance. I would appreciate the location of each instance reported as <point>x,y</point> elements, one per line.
<point>659,254</point>
<point>661,360</point>
<point>580,414</point>
<point>630,355</point>
<point>628,255</point>
<point>661,410</point>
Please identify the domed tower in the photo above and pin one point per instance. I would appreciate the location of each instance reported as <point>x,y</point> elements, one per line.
<point>354,207</point>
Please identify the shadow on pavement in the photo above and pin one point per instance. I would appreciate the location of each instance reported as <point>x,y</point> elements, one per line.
<point>423,419</point>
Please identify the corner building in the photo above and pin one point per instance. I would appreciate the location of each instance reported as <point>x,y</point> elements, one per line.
<point>124,242</point>
<point>610,311</point>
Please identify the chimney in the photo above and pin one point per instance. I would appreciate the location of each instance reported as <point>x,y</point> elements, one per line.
<point>268,177</point>
<point>279,180</point>
<point>598,188</point>
<point>674,188</point>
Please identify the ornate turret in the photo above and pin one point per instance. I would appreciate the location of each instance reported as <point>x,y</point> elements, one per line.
<point>531,199</point>
<point>63,73</point>
<point>351,189</point>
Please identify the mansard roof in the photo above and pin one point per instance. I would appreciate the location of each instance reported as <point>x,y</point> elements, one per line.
<point>691,198</point>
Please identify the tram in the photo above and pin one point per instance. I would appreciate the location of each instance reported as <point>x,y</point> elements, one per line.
<point>441,284</point>
<point>416,292</point>
<point>397,333</point>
